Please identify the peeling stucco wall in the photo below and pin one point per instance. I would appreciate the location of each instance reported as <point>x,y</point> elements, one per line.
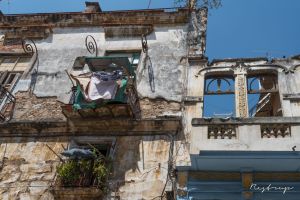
<point>57,53</point>
<point>153,108</point>
<point>140,172</point>
<point>167,46</point>
<point>28,167</point>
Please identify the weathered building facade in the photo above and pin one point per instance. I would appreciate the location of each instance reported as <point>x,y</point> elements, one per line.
<point>153,131</point>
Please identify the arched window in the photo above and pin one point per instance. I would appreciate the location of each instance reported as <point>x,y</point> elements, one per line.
<point>263,94</point>
<point>219,99</point>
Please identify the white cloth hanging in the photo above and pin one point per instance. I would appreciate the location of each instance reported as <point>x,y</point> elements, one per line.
<point>99,89</point>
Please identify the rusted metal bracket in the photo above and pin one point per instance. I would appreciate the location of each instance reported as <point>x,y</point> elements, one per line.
<point>144,43</point>
<point>29,48</point>
<point>91,45</point>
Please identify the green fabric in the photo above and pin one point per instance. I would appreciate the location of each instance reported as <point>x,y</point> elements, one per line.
<point>80,102</point>
<point>120,95</point>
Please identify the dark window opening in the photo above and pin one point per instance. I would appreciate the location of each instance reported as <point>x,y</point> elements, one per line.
<point>219,98</point>
<point>97,149</point>
<point>133,56</point>
<point>263,95</point>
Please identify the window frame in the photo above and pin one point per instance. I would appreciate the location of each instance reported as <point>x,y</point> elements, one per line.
<point>256,74</point>
<point>132,52</point>
<point>215,76</point>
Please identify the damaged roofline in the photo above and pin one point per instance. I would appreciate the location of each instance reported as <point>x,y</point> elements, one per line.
<point>159,10</point>
<point>253,59</point>
<point>83,19</point>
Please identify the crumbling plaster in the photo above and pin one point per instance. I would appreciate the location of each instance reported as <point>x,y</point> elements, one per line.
<point>140,172</point>
<point>29,107</point>
<point>28,166</point>
<point>58,52</point>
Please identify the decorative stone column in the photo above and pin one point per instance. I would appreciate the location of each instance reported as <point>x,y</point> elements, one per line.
<point>241,99</point>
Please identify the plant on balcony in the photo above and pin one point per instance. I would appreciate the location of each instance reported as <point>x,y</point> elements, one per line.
<point>84,172</point>
<point>68,172</point>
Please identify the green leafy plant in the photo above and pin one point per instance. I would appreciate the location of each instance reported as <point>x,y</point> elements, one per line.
<point>68,172</point>
<point>100,171</point>
<point>83,172</point>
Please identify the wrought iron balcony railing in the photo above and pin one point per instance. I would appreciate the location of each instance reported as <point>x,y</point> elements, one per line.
<point>7,104</point>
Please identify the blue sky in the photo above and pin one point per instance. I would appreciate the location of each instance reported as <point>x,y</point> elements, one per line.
<point>240,28</point>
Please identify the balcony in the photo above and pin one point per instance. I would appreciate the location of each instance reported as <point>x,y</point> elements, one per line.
<point>83,174</point>
<point>107,91</point>
<point>245,134</point>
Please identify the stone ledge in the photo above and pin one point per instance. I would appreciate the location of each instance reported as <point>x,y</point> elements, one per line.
<point>246,121</point>
<point>89,127</point>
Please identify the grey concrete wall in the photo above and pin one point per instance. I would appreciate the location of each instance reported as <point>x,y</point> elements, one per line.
<point>58,52</point>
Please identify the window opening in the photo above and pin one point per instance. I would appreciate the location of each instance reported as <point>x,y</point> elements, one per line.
<point>11,69</point>
<point>263,95</point>
<point>98,149</point>
<point>219,99</point>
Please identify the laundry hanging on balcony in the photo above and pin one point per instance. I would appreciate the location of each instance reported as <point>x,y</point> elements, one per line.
<point>99,85</point>
<point>101,89</point>
<point>94,88</point>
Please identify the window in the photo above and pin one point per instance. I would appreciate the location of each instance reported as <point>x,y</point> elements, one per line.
<point>133,56</point>
<point>11,69</point>
<point>102,149</point>
<point>262,100</point>
<point>263,95</point>
<point>219,99</point>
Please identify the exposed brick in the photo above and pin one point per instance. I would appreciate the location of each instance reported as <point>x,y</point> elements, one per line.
<point>30,107</point>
